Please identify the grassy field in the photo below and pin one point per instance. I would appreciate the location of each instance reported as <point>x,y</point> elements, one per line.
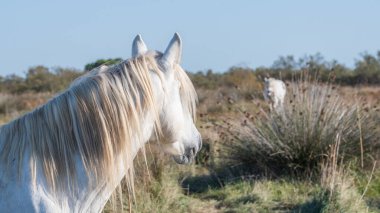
<point>322,155</point>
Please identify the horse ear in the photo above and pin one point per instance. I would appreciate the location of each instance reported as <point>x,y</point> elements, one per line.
<point>138,46</point>
<point>173,52</point>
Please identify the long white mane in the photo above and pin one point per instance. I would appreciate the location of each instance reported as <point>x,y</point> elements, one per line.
<point>95,119</point>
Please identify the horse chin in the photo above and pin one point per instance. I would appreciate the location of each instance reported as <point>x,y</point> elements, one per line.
<point>183,159</point>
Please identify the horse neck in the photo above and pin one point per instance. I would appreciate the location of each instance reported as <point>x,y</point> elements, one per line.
<point>96,198</point>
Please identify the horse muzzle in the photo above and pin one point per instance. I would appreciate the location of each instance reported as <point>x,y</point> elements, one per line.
<point>190,153</point>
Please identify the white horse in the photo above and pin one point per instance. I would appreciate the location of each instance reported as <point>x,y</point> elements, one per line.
<point>274,93</point>
<point>70,154</point>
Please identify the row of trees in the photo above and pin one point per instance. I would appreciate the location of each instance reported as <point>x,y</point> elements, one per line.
<point>366,71</point>
<point>39,79</point>
<point>43,79</point>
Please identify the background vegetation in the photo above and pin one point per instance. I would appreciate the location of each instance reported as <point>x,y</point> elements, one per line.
<point>366,71</point>
<point>320,155</point>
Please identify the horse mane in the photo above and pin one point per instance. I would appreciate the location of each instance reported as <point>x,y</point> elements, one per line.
<point>95,119</point>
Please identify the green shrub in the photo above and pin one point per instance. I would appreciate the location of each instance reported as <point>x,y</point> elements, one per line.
<point>99,62</point>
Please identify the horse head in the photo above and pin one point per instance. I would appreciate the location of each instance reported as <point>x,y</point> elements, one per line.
<point>177,102</point>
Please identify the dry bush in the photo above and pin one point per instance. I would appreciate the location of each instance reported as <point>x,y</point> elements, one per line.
<point>297,140</point>
<point>243,80</point>
<point>12,105</point>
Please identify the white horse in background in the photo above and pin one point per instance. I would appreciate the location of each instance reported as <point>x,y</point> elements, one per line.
<point>70,154</point>
<point>274,93</point>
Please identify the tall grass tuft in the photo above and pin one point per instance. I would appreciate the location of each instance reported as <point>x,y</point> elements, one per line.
<point>298,138</point>
<point>156,186</point>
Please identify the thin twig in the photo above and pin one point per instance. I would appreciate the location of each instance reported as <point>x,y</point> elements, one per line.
<point>361,136</point>
<point>369,181</point>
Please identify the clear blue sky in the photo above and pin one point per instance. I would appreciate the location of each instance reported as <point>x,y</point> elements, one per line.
<point>217,34</point>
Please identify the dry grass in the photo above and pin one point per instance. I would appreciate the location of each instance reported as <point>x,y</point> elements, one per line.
<point>339,184</point>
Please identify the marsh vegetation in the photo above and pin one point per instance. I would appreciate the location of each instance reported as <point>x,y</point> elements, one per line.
<point>320,154</point>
